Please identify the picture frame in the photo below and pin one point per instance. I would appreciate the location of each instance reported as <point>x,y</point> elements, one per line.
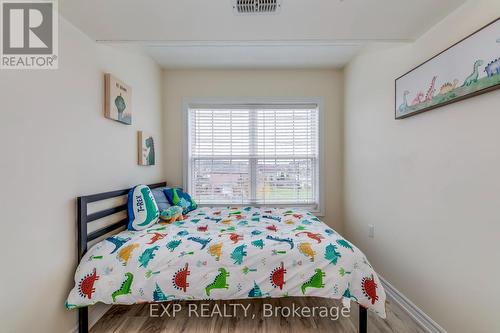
<point>468,68</point>
<point>146,149</point>
<point>117,100</point>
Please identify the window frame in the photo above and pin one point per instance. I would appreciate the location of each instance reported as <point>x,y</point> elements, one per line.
<point>189,103</point>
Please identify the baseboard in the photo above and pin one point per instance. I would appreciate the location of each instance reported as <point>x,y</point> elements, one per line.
<point>419,316</point>
<point>95,313</point>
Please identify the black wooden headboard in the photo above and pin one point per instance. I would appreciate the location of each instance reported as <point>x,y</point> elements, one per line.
<point>84,219</point>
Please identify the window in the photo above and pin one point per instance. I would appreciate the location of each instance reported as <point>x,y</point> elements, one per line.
<point>254,154</point>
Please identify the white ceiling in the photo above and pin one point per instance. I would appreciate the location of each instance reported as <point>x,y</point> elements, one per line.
<point>206,33</point>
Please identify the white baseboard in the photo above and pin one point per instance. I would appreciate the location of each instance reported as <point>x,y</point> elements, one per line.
<point>419,316</point>
<point>95,313</point>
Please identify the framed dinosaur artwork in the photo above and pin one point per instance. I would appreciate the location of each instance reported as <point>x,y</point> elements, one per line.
<point>117,100</point>
<point>146,149</point>
<point>468,68</point>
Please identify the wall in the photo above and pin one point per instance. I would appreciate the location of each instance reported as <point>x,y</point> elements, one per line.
<point>180,84</point>
<point>428,183</point>
<point>57,145</point>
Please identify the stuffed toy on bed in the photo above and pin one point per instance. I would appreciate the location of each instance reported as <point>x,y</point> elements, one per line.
<point>171,214</point>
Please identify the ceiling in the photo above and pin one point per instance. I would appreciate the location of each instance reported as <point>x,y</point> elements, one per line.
<point>207,34</point>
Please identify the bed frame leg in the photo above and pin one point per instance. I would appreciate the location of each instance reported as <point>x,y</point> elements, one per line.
<point>363,320</point>
<point>83,320</point>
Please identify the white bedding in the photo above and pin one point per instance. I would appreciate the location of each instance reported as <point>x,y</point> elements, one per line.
<point>229,253</point>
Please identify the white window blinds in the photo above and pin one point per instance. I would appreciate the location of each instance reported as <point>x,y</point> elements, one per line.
<point>254,154</point>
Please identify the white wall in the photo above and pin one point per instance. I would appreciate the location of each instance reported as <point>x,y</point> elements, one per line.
<point>328,84</point>
<point>430,183</point>
<point>57,145</point>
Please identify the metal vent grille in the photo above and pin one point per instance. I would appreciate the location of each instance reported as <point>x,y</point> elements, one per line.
<point>256,6</point>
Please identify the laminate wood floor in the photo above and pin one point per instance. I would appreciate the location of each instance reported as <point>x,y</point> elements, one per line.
<point>136,318</point>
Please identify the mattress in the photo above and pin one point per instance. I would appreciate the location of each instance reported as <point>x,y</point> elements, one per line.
<point>224,254</point>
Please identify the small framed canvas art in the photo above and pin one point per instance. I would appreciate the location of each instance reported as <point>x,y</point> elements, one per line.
<point>146,149</point>
<point>117,100</point>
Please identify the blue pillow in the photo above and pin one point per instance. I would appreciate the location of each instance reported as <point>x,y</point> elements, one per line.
<point>160,198</point>
<point>142,209</point>
<point>177,197</point>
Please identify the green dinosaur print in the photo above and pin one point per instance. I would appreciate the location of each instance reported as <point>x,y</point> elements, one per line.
<point>475,74</point>
<point>331,254</point>
<point>151,208</point>
<point>347,294</point>
<point>258,243</point>
<point>255,291</point>
<point>238,254</point>
<point>220,281</point>
<point>117,242</point>
<point>316,281</point>
<point>125,287</point>
<point>147,255</point>
<point>159,295</point>
<point>345,244</point>
<point>172,245</point>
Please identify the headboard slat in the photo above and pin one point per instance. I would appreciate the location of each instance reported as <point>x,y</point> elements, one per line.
<point>105,230</point>
<point>82,226</point>
<point>84,218</point>
<point>104,213</point>
<point>113,194</point>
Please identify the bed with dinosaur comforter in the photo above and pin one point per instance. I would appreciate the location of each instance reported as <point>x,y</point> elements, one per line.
<point>229,253</point>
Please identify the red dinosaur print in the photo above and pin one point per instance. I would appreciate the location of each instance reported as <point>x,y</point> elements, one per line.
<point>432,90</point>
<point>316,237</point>
<point>298,216</point>
<point>268,211</point>
<point>203,228</point>
<point>419,98</point>
<point>277,277</point>
<point>157,236</point>
<point>234,237</point>
<point>272,228</point>
<point>216,213</point>
<point>86,285</point>
<point>369,288</point>
<point>180,278</point>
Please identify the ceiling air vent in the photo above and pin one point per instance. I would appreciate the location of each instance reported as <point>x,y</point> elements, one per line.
<point>256,6</point>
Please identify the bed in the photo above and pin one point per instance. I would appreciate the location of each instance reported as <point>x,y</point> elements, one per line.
<point>219,253</point>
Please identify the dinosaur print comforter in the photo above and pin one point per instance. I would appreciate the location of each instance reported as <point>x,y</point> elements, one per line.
<point>230,253</point>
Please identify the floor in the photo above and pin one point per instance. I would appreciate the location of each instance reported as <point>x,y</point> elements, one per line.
<point>136,318</point>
